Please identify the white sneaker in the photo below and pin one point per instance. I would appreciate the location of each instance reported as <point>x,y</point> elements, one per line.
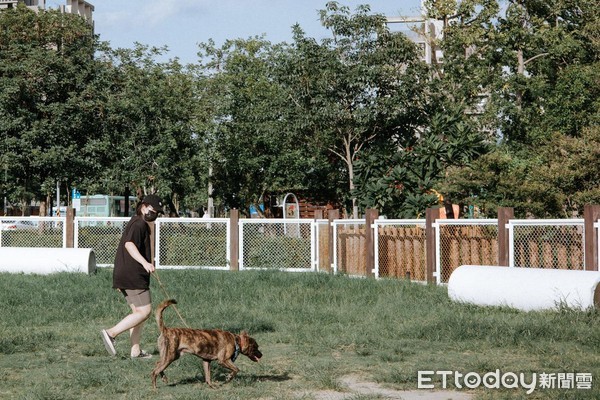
<point>109,343</point>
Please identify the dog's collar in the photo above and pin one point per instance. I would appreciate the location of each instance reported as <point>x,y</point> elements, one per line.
<point>236,353</point>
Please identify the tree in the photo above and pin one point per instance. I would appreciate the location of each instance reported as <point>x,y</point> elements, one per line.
<point>47,61</point>
<point>568,176</point>
<point>404,177</point>
<point>402,183</point>
<point>556,182</point>
<point>358,88</point>
<point>148,142</point>
<point>253,147</point>
<point>544,87</point>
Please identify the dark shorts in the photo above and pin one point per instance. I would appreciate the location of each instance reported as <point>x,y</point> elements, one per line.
<point>137,297</point>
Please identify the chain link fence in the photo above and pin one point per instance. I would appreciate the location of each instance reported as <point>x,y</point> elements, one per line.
<point>464,242</point>
<point>32,232</point>
<point>100,234</point>
<point>277,244</point>
<point>557,244</point>
<point>193,243</point>
<point>400,250</point>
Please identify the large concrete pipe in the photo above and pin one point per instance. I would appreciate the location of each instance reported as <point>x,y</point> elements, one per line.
<point>42,260</point>
<point>525,289</point>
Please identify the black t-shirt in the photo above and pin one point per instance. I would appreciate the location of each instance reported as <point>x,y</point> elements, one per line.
<point>128,273</point>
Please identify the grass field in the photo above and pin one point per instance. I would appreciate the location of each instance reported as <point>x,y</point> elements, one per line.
<point>315,330</point>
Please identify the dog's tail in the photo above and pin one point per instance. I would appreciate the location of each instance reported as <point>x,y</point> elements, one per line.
<point>159,312</point>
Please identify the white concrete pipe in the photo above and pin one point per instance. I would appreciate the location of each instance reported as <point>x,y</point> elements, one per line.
<point>44,260</point>
<point>525,289</point>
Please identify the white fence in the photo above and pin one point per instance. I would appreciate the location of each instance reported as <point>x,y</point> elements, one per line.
<point>32,232</point>
<point>338,246</point>
<point>193,243</point>
<point>464,241</point>
<point>283,244</point>
<point>539,243</point>
<point>399,246</point>
<point>349,246</point>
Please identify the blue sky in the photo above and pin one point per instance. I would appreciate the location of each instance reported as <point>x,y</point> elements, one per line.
<point>181,24</point>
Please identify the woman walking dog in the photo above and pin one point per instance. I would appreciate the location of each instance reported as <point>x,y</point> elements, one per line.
<point>131,276</point>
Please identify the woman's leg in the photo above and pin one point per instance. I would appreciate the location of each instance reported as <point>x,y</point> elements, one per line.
<point>135,333</point>
<point>138,315</point>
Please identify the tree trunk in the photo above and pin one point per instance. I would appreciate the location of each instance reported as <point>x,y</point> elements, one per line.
<point>349,158</point>
<point>520,71</point>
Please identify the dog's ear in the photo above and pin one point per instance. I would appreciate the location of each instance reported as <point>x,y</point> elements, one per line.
<point>243,339</point>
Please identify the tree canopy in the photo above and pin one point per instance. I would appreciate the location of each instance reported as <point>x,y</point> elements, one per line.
<point>544,97</point>
<point>46,69</point>
<point>507,117</point>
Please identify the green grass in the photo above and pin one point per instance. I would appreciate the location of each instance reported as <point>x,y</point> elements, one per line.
<point>313,330</point>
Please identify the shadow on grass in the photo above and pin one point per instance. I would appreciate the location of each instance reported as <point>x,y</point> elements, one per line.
<point>219,379</point>
<point>253,327</point>
<point>268,378</point>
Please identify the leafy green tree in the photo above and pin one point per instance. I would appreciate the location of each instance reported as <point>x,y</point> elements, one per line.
<point>360,87</point>
<point>148,142</point>
<point>404,176</point>
<point>557,181</point>
<point>543,86</point>
<point>47,62</point>
<point>537,41</point>
<point>402,182</point>
<point>568,177</point>
<point>253,148</point>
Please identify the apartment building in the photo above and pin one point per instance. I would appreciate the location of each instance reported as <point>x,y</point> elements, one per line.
<point>78,7</point>
<point>425,32</point>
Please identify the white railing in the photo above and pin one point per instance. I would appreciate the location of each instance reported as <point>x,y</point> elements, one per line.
<point>304,244</point>
<point>193,243</point>
<point>547,243</point>
<point>101,234</point>
<point>32,232</point>
<point>350,264</point>
<point>597,228</point>
<point>409,260</point>
<point>321,244</point>
<point>282,244</point>
<point>453,250</point>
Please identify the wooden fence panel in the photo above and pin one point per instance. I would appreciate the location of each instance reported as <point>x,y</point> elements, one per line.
<point>352,250</point>
<point>401,252</point>
<point>467,244</point>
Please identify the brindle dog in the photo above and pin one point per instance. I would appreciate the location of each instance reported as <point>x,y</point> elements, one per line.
<point>209,345</point>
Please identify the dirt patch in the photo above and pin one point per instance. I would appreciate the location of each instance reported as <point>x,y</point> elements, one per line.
<point>355,385</point>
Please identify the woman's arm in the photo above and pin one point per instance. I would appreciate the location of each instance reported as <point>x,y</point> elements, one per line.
<point>137,256</point>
